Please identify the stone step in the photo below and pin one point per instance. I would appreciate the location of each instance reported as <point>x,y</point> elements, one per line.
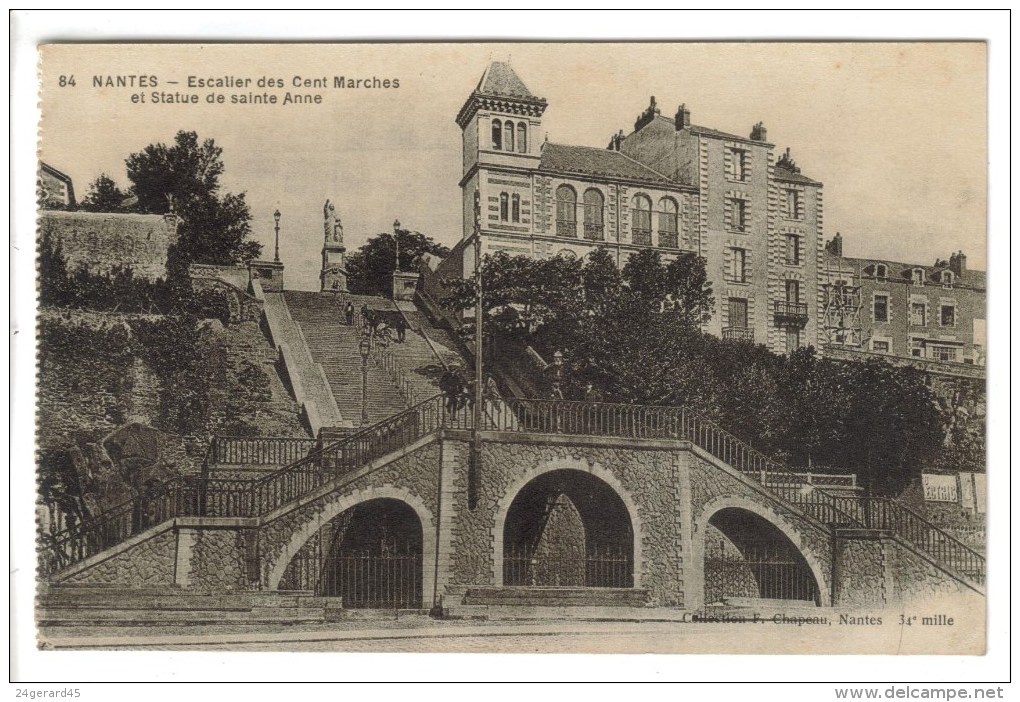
<point>113,617</point>
<point>556,596</point>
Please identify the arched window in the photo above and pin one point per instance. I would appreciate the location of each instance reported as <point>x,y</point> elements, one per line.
<point>515,208</point>
<point>593,209</point>
<point>641,220</point>
<point>668,230</point>
<point>497,134</point>
<point>566,211</point>
<point>522,137</point>
<point>508,136</point>
<point>504,207</point>
<point>881,271</point>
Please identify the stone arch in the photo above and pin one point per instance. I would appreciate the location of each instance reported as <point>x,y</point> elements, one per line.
<point>594,469</point>
<point>339,505</point>
<point>784,525</point>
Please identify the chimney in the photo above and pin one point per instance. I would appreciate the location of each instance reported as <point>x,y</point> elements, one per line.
<point>958,264</point>
<point>834,245</point>
<point>647,116</point>
<point>759,132</point>
<point>682,120</point>
<point>616,141</point>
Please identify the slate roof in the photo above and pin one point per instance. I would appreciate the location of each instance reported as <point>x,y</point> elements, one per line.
<point>898,271</point>
<point>500,79</point>
<point>789,176</point>
<point>586,160</point>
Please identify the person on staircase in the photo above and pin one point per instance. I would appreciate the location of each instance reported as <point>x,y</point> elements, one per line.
<point>401,327</point>
<point>349,313</point>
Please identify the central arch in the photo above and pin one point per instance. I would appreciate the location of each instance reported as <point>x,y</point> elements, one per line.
<point>567,524</point>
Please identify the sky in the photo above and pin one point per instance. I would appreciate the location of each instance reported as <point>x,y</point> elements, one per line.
<point>895,131</point>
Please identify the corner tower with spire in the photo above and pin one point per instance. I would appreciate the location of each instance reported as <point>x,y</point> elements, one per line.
<point>500,123</point>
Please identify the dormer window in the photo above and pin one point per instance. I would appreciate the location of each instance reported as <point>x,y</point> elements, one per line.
<point>881,271</point>
<point>947,279</point>
<point>917,277</point>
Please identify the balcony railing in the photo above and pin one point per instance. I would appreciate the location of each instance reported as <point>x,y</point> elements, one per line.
<point>794,311</point>
<point>594,232</point>
<point>641,237</point>
<point>566,228</point>
<point>669,239</point>
<point>738,334</point>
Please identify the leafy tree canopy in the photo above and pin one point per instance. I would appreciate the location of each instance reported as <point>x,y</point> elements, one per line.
<point>370,268</point>
<point>185,179</point>
<point>103,196</point>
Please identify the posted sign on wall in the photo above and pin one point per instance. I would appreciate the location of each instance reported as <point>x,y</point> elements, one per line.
<point>940,488</point>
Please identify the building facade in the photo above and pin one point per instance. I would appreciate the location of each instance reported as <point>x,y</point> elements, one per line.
<point>668,185</point>
<point>928,313</point>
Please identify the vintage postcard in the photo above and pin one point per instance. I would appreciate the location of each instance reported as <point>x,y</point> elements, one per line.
<point>541,347</point>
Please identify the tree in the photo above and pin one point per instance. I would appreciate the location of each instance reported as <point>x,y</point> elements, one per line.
<point>688,290</point>
<point>184,179</point>
<point>370,268</point>
<point>103,196</point>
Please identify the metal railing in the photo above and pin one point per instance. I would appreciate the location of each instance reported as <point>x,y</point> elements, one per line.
<point>219,497</point>
<point>607,567</point>
<point>594,232</point>
<point>790,310</point>
<point>760,570</point>
<point>566,228</point>
<point>258,450</point>
<point>669,239</point>
<point>738,334</point>
<point>247,498</point>
<point>641,237</point>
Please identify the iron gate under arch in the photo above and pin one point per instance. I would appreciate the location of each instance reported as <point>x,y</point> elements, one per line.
<point>370,556</point>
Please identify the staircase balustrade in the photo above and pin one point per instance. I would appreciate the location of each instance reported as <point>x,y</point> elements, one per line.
<point>215,497</point>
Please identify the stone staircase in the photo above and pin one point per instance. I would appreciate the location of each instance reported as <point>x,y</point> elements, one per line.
<point>69,605</point>
<point>305,375</point>
<point>398,375</point>
<point>334,346</point>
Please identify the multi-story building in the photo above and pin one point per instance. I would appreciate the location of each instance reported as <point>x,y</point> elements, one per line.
<point>54,190</point>
<point>934,313</point>
<point>669,185</point>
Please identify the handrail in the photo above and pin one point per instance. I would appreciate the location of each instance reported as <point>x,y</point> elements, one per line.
<point>252,498</point>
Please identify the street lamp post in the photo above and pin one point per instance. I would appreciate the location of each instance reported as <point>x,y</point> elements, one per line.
<point>558,377</point>
<point>276,216</point>
<point>364,347</point>
<point>396,240</point>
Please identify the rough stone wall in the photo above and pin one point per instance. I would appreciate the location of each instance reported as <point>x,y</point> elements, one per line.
<point>914,578</point>
<point>860,573</point>
<point>648,477</point>
<point>100,241</point>
<point>148,564</point>
<point>417,474</point>
<point>217,559</point>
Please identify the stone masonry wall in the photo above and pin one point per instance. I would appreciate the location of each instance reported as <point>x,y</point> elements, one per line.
<point>217,559</point>
<point>149,564</point>
<point>100,241</point>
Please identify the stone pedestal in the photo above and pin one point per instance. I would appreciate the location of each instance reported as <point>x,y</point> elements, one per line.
<point>404,285</point>
<point>269,274</point>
